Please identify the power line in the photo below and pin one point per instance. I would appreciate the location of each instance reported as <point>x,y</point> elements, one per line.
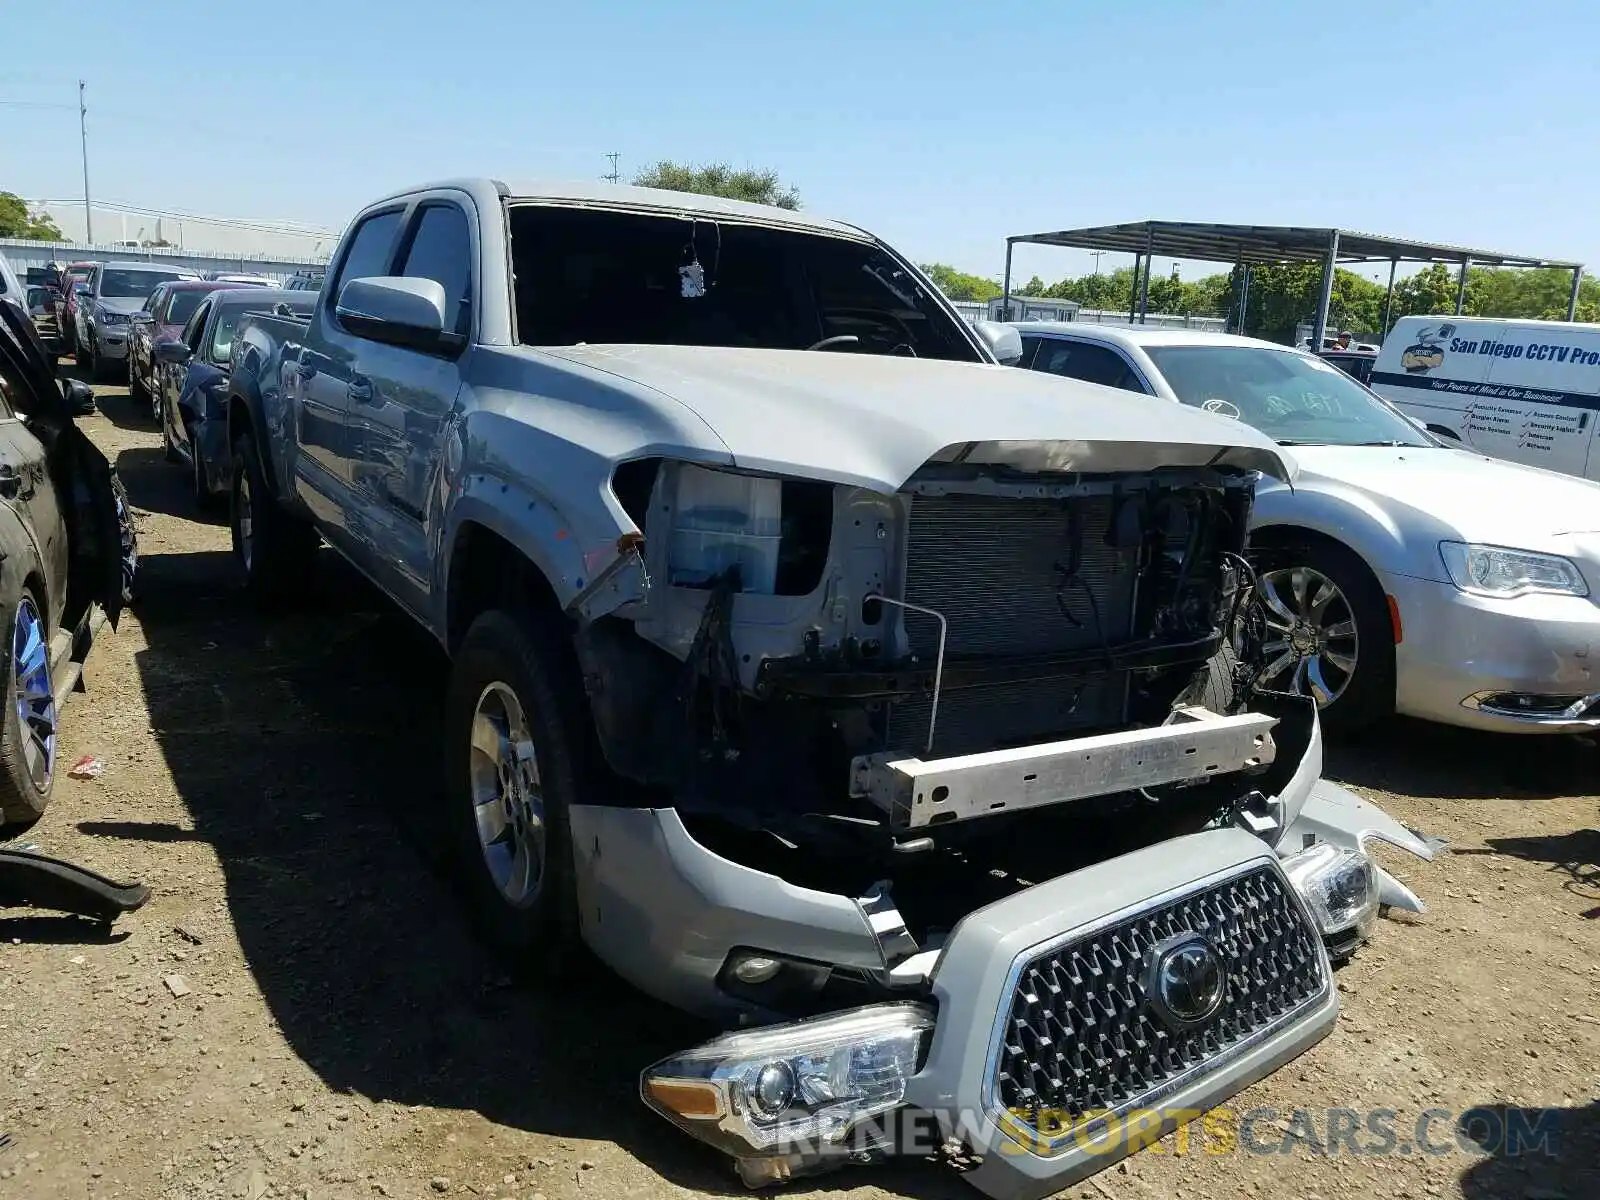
<point>613,176</point>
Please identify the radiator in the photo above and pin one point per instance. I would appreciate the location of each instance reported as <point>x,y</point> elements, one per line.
<point>996,568</point>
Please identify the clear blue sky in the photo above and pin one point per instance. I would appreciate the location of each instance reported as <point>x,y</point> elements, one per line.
<point>943,126</point>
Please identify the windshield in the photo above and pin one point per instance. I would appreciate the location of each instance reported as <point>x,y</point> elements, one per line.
<point>228,320</point>
<point>584,275</point>
<point>1292,398</point>
<point>133,285</point>
<point>182,307</point>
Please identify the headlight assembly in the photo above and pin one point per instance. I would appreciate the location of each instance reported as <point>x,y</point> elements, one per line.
<point>1339,886</point>
<point>1504,573</point>
<point>784,1099</point>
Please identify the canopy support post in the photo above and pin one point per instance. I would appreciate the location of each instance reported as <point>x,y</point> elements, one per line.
<point>1319,327</point>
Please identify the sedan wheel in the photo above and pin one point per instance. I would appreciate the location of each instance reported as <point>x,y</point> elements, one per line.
<point>1312,645</point>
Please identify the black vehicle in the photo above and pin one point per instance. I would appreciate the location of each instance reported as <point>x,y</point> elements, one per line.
<point>68,556</point>
<point>1355,363</point>
<point>192,382</point>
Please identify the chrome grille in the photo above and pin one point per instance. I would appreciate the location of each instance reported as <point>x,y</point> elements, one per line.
<point>1082,1036</point>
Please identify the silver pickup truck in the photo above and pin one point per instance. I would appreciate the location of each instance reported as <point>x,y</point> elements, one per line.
<point>819,674</point>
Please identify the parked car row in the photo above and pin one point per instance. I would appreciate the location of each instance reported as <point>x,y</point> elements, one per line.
<point>816,670</point>
<point>68,554</point>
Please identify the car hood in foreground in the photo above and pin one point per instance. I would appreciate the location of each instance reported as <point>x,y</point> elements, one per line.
<point>1431,494</point>
<point>121,304</point>
<point>873,420</point>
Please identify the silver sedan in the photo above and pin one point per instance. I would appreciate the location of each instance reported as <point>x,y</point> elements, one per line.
<point>1399,574</point>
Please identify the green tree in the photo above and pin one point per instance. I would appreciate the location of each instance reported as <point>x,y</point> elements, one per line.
<point>1034,287</point>
<point>958,285</point>
<point>17,222</point>
<point>720,179</point>
<point>1430,290</point>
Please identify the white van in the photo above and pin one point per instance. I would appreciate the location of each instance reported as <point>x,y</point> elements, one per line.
<point>1528,391</point>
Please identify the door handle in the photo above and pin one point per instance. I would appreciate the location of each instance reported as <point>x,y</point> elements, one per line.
<point>305,370</point>
<point>360,390</point>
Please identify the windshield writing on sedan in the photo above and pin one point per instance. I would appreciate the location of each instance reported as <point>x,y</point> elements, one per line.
<point>1290,397</point>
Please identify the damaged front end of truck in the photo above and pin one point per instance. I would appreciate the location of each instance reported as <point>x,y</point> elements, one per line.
<point>974,810</point>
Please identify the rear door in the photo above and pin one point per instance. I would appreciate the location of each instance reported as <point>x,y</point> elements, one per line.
<point>404,396</point>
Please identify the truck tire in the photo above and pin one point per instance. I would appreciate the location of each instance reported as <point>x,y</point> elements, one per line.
<point>517,754</point>
<point>27,744</point>
<point>272,550</point>
<point>1357,612</point>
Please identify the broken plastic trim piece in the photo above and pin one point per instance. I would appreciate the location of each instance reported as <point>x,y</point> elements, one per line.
<point>623,580</point>
<point>35,881</point>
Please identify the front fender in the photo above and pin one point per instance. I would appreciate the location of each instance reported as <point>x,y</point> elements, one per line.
<point>1342,514</point>
<point>1335,814</point>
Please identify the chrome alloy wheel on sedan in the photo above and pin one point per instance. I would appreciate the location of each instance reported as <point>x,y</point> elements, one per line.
<point>33,694</point>
<point>507,796</point>
<point>1312,647</point>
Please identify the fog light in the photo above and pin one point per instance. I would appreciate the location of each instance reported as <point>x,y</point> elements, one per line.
<point>794,1091</point>
<point>1340,887</point>
<point>755,969</point>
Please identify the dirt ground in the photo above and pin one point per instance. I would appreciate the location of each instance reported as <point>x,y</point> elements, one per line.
<point>344,1035</point>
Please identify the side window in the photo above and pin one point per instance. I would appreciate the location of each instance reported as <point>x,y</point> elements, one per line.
<point>371,248</point>
<point>196,327</point>
<point>441,249</point>
<point>1091,363</point>
<point>154,299</point>
<point>1030,347</point>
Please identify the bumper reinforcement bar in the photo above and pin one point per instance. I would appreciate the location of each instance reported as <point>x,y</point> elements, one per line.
<point>1197,745</point>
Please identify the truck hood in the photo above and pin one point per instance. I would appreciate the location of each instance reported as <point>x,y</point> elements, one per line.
<point>1458,494</point>
<point>873,420</point>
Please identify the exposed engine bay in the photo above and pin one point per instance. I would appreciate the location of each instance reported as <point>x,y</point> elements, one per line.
<point>806,650</point>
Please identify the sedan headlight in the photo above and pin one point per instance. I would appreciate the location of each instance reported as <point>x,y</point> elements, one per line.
<point>112,318</point>
<point>1498,571</point>
<point>785,1099</point>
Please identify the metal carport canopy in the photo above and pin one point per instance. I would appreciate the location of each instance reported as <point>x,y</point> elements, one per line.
<point>1249,245</point>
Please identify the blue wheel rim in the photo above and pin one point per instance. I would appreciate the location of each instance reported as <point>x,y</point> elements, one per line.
<point>33,695</point>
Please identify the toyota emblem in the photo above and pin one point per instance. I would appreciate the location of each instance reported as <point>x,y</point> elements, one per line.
<point>1187,982</point>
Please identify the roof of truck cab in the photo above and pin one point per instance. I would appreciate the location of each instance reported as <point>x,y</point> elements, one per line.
<point>626,196</point>
<point>1135,335</point>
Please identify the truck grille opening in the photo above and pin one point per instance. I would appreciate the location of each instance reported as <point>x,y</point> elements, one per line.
<point>1082,1034</point>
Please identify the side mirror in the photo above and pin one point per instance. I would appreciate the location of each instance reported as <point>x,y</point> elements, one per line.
<point>1004,342</point>
<point>80,396</point>
<point>174,354</point>
<point>397,310</point>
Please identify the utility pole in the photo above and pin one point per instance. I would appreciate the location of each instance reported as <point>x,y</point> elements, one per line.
<point>83,140</point>
<point>1095,254</point>
<point>613,156</point>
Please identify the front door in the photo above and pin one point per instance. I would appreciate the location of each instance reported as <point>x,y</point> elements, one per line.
<point>402,402</point>
<point>324,385</point>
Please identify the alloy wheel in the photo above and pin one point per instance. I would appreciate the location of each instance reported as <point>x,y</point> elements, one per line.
<point>1312,646</point>
<point>243,518</point>
<point>33,695</point>
<point>507,796</point>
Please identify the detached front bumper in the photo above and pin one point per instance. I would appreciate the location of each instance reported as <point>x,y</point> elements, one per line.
<point>1071,1024</point>
<point>1528,665</point>
<point>210,443</point>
